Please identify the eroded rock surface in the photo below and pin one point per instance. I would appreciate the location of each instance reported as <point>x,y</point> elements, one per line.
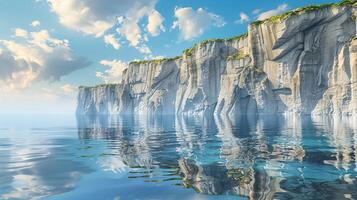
<point>302,64</point>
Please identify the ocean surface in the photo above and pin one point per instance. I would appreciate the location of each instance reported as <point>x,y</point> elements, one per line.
<point>64,157</point>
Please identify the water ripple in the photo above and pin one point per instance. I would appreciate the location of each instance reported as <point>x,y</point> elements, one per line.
<point>265,158</point>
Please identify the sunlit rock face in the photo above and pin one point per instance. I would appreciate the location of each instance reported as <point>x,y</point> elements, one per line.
<point>309,60</point>
<point>102,99</point>
<point>304,64</point>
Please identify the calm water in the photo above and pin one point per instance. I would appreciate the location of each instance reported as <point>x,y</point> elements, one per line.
<point>61,157</point>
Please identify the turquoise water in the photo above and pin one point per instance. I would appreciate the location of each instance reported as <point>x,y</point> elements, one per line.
<point>61,157</point>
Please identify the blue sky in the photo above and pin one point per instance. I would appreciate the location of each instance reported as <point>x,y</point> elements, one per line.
<point>50,47</point>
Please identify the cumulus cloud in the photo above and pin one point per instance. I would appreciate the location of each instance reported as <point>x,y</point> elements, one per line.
<point>20,32</point>
<point>35,23</point>
<point>242,18</point>
<point>40,57</point>
<point>193,23</point>
<point>85,16</point>
<point>155,21</point>
<point>114,71</point>
<point>97,17</point>
<point>144,49</point>
<point>256,11</point>
<point>130,30</point>
<point>111,40</point>
<point>281,8</point>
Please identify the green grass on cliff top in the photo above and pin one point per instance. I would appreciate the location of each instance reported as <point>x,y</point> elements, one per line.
<point>310,8</point>
<point>189,51</point>
<point>155,61</point>
<point>100,85</point>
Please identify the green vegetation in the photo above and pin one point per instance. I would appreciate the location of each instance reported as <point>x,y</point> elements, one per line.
<point>240,175</point>
<point>238,37</point>
<point>310,8</point>
<point>204,42</point>
<point>248,73</point>
<point>237,56</point>
<point>189,51</point>
<point>257,70</point>
<point>100,85</point>
<point>155,61</point>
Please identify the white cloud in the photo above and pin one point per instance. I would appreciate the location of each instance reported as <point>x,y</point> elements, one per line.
<point>242,18</point>
<point>193,23</point>
<point>155,21</point>
<point>256,11</point>
<point>111,40</point>
<point>21,33</point>
<point>35,23</point>
<point>114,71</point>
<point>40,57</point>
<point>131,31</point>
<point>43,40</point>
<point>68,89</point>
<point>88,17</point>
<point>144,49</point>
<point>97,17</point>
<point>281,8</point>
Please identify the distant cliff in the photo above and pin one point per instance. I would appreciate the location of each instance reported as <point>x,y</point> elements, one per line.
<point>303,61</point>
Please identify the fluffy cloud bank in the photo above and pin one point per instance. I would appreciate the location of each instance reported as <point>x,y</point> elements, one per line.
<point>96,17</point>
<point>193,23</point>
<point>35,56</point>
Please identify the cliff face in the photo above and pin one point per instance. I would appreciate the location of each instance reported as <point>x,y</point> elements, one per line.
<point>303,63</point>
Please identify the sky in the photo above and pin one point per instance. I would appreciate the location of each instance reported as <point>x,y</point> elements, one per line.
<point>50,47</point>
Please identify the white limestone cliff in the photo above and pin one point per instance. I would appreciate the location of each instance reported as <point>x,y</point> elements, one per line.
<point>303,62</point>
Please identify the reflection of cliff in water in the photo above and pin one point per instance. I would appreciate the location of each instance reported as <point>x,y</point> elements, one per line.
<point>138,142</point>
<point>265,158</point>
